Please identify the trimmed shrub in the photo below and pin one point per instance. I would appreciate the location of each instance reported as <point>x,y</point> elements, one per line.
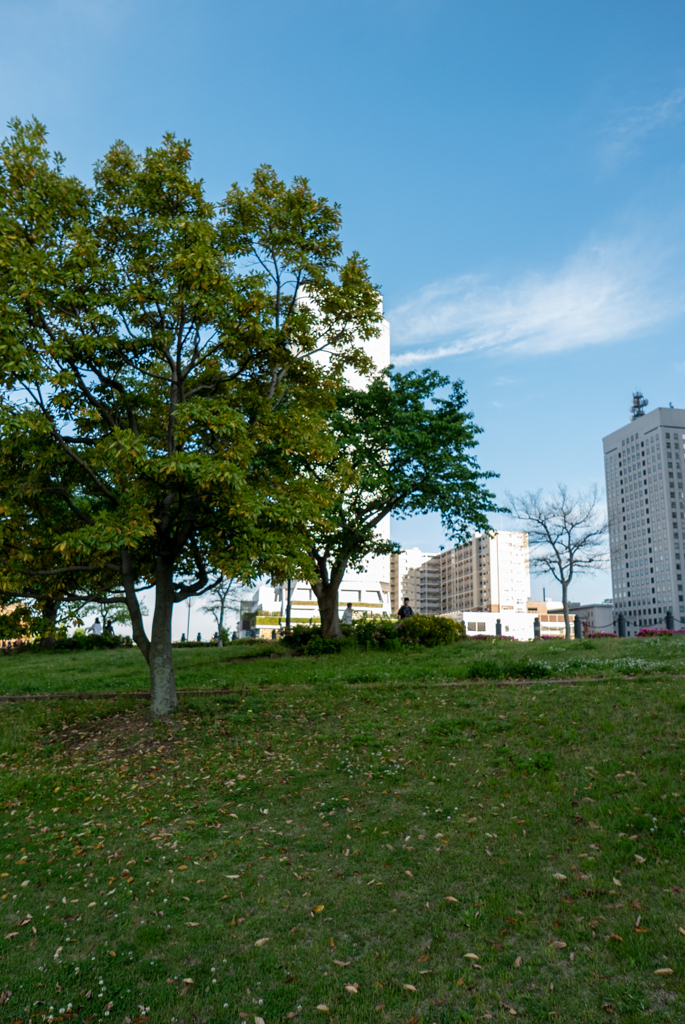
<point>375,632</point>
<point>431,630</point>
<point>86,642</point>
<point>308,640</point>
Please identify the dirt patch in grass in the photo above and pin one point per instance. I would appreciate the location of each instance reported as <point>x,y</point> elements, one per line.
<point>116,737</point>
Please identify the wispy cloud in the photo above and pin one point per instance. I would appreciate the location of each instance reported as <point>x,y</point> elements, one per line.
<point>636,123</point>
<point>602,294</point>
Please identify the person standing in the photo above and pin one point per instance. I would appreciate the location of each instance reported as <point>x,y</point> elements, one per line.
<point>96,628</point>
<point>348,615</point>
<point>406,610</point>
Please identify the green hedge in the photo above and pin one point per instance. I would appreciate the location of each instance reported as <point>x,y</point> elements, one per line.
<point>431,630</point>
<point>374,632</point>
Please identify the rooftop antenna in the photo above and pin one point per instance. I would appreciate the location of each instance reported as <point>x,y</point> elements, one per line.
<point>638,406</point>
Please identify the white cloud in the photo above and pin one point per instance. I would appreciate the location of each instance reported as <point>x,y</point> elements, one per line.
<point>638,122</point>
<point>602,294</point>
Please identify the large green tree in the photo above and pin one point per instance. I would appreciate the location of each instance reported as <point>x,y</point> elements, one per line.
<point>168,363</point>
<point>403,447</point>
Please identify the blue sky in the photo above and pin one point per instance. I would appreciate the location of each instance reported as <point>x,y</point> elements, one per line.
<point>512,170</point>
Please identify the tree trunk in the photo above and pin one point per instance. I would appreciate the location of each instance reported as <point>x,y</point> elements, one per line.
<point>49,609</point>
<point>567,619</point>
<point>327,597</point>
<point>163,699</point>
<point>128,579</point>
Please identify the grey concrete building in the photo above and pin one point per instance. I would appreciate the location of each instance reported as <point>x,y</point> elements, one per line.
<point>646,505</point>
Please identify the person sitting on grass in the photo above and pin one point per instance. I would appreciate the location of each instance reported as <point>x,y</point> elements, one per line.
<point>406,610</point>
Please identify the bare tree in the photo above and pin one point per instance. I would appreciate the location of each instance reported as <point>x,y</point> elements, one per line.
<point>566,535</point>
<point>226,597</point>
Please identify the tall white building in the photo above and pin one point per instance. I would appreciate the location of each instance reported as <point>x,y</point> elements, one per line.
<point>413,574</point>
<point>643,463</point>
<point>491,573</point>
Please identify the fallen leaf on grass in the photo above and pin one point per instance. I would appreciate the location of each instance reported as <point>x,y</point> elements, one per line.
<point>558,875</point>
<point>381,1006</point>
<point>557,944</point>
<point>323,1008</point>
<point>262,942</point>
<point>188,981</point>
<point>471,956</point>
<point>681,930</point>
<point>460,981</point>
<point>342,963</point>
<point>451,899</point>
<point>518,961</point>
<point>259,1020</point>
<point>664,970</point>
<point>108,1006</point>
<point>317,910</point>
<point>94,904</point>
<point>617,937</point>
<point>10,935</point>
<point>409,873</point>
<point>422,959</point>
<point>192,924</point>
<point>413,1020</point>
<point>410,988</point>
<point>353,987</point>
<point>639,859</point>
<point>182,867</point>
<point>637,929</point>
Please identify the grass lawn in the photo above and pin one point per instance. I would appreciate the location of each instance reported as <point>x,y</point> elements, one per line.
<point>363,837</point>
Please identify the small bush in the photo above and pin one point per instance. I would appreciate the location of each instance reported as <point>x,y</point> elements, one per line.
<point>309,640</point>
<point>374,632</point>
<point>300,636</point>
<point>431,630</point>
<point>86,642</point>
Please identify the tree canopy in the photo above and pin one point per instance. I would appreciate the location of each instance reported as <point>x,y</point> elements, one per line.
<point>163,385</point>
<point>403,447</point>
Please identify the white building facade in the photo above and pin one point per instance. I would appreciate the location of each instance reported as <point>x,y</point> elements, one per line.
<point>491,573</point>
<point>643,464</point>
<point>414,574</point>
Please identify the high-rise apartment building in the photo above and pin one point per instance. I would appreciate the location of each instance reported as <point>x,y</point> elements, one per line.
<point>490,573</point>
<point>643,463</point>
<point>413,575</point>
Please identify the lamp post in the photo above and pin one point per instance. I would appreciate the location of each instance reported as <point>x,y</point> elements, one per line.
<point>287,607</point>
